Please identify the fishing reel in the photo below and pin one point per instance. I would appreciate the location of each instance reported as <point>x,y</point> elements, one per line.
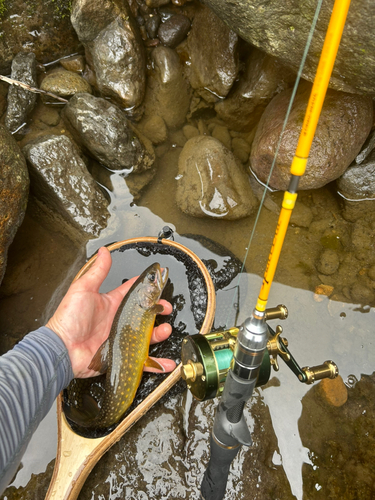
<point>207,358</point>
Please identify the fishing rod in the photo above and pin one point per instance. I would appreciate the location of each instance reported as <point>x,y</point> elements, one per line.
<point>232,363</point>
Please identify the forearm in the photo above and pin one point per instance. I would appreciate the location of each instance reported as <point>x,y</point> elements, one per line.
<point>31,376</point>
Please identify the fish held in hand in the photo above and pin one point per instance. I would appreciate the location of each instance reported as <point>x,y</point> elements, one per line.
<point>124,354</point>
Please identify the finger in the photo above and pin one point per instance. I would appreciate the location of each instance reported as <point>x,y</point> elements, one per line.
<point>120,292</point>
<point>167,306</point>
<point>97,273</point>
<point>168,364</point>
<point>161,333</point>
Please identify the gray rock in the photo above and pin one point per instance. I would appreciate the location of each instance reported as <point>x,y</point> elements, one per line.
<point>213,50</point>
<point>281,30</point>
<point>14,189</point>
<point>64,83</point>
<point>357,188</point>
<point>263,78</point>
<point>114,49</point>
<point>152,25</point>
<point>20,101</point>
<point>168,93</point>
<point>343,127</point>
<point>212,182</point>
<point>61,181</point>
<point>40,27</point>
<point>358,182</point>
<point>328,262</point>
<point>104,130</point>
<point>174,30</point>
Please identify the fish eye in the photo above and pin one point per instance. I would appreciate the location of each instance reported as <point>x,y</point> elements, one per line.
<point>151,276</point>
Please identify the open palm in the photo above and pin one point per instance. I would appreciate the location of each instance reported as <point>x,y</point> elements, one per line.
<point>84,317</point>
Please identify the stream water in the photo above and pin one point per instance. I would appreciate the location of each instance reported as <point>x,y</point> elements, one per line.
<point>303,446</point>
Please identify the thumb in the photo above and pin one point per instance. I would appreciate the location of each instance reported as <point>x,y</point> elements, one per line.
<point>97,273</point>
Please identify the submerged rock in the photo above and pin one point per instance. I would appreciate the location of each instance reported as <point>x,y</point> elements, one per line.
<point>105,132</point>
<point>14,189</point>
<point>114,49</point>
<point>263,78</point>
<point>62,183</point>
<point>212,182</point>
<point>20,101</point>
<point>213,50</point>
<point>168,93</point>
<point>343,127</point>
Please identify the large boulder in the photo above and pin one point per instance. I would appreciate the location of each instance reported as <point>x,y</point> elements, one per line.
<point>343,127</point>
<point>281,30</point>
<point>41,26</point>
<point>211,182</point>
<point>61,182</point>
<point>114,49</point>
<point>14,189</point>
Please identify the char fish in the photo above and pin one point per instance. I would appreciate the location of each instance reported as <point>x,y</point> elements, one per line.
<point>124,354</point>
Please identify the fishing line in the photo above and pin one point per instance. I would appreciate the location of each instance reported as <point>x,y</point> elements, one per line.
<point>299,74</point>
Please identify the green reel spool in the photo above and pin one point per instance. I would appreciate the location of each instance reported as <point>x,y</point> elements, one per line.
<point>207,359</point>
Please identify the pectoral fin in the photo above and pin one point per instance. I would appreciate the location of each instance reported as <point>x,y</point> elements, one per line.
<point>153,363</point>
<point>157,309</point>
<point>99,362</point>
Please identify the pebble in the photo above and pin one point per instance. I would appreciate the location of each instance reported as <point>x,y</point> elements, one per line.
<point>328,263</point>
<point>371,272</point>
<point>74,63</point>
<point>333,391</point>
<point>155,129</point>
<point>152,25</point>
<point>190,131</point>
<point>174,30</point>
<point>222,134</point>
<point>65,84</point>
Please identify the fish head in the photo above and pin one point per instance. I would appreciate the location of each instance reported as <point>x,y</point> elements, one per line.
<point>152,281</point>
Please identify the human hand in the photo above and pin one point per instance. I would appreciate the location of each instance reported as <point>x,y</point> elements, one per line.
<point>84,317</point>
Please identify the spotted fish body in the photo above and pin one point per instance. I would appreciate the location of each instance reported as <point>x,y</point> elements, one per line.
<point>124,354</point>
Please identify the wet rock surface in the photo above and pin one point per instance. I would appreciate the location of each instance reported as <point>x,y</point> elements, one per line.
<point>41,27</point>
<point>60,181</point>
<point>14,189</point>
<point>262,79</point>
<point>114,49</point>
<point>174,30</point>
<point>211,182</point>
<point>64,84</point>
<point>20,101</point>
<point>281,30</point>
<point>337,141</point>
<point>213,55</point>
<point>103,129</point>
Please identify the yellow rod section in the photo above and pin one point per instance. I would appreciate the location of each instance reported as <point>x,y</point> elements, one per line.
<point>314,107</point>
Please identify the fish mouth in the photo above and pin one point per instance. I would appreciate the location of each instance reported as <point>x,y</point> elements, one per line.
<point>163,276</point>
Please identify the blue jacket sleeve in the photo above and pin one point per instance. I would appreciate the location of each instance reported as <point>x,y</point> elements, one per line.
<point>31,376</point>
